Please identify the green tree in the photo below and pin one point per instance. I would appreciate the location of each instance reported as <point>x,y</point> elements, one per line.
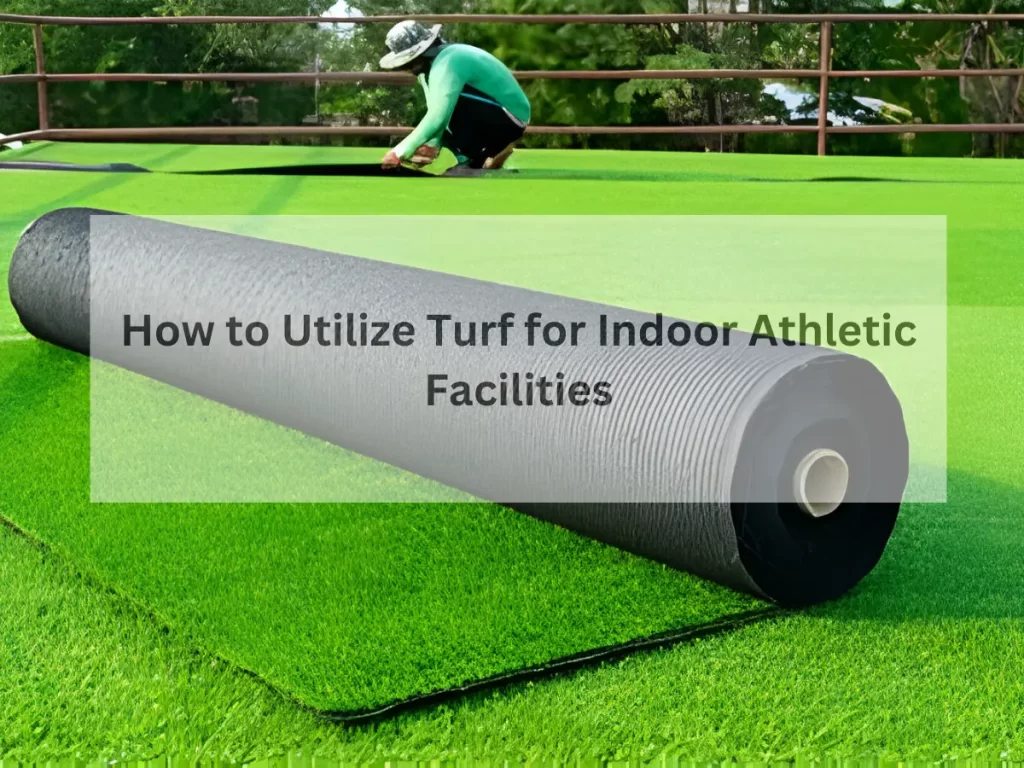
<point>643,101</point>
<point>160,48</point>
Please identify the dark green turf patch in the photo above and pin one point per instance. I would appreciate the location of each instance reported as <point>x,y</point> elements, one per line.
<point>349,608</point>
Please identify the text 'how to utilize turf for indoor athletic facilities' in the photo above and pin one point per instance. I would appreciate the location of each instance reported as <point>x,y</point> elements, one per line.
<point>360,330</point>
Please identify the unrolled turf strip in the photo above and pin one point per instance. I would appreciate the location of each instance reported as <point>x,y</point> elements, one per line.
<point>921,661</point>
<point>348,608</point>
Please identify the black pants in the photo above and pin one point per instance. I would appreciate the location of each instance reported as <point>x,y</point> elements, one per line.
<point>480,129</point>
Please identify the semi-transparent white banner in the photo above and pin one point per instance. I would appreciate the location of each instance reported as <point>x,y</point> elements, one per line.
<point>521,359</point>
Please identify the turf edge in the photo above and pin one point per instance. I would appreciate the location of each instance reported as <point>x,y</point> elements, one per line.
<point>560,666</point>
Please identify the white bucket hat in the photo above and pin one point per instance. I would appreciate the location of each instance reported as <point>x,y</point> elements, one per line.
<point>407,40</point>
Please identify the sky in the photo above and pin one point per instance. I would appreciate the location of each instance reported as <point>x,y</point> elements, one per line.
<point>341,8</point>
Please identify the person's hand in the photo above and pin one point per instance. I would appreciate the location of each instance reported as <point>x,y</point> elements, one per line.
<point>424,155</point>
<point>391,160</point>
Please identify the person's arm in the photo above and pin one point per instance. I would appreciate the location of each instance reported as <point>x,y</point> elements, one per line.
<point>435,141</point>
<point>391,160</point>
<point>446,83</point>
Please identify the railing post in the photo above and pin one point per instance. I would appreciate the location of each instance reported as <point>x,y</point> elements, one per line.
<point>824,66</point>
<point>41,89</point>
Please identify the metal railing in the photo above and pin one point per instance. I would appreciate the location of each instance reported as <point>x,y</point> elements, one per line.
<point>824,74</point>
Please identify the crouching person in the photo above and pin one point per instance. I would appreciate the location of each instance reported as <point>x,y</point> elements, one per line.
<point>475,107</point>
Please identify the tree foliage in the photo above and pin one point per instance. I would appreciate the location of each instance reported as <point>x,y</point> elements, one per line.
<point>261,48</point>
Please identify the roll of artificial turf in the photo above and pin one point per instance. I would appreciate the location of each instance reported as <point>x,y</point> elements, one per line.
<point>773,469</point>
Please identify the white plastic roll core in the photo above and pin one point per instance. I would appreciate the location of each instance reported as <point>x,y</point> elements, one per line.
<point>820,482</point>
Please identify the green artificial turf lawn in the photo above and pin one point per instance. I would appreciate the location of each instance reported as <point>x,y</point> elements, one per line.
<point>346,607</point>
<point>922,660</point>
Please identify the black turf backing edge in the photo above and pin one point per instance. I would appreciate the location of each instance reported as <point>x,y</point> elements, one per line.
<point>316,169</point>
<point>52,165</point>
<point>565,664</point>
<point>321,169</point>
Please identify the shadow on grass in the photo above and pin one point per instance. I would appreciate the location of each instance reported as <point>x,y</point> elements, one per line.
<point>961,559</point>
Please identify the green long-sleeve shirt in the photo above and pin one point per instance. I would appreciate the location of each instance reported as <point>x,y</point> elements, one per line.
<point>455,67</point>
